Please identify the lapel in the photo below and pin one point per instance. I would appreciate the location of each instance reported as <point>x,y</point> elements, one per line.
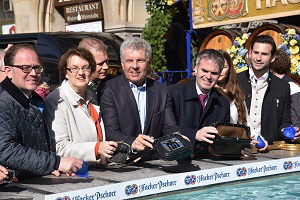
<point>127,96</point>
<point>191,95</point>
<point>150,103</point>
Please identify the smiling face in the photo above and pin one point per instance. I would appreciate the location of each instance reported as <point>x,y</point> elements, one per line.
<point>79,80</point>
<point>260,58</point>
<point>101,59</point>
<point>135,66</point>
<point>207,74</point>
<point>26,82</point>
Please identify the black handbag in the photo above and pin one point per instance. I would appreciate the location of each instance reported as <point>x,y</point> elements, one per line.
<point>172,147</point>
<point>232,140</point>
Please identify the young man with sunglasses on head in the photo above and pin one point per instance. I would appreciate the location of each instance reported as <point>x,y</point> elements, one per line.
<point>24,142</point>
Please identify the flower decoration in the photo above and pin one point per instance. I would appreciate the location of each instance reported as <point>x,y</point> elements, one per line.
<point>237,52</point>
<point>290,44</point>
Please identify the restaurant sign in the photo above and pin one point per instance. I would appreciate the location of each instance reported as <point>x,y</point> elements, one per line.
<point>83,12</point>
<point>208,13</point>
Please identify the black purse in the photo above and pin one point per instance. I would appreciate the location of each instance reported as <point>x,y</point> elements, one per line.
<point>233,140</point>
<point>172,147</point>
<point>121,155</point>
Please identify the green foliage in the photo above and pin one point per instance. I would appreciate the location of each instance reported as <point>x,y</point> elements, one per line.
<point>157,25</point>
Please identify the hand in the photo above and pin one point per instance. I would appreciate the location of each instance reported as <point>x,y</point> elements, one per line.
<point>297,135</point>
<point>69,165</point>
<point>142,141</point>
<point>204,134</point>
<point>107,148</point>
<point>254,142</point>
<point>3,173</point>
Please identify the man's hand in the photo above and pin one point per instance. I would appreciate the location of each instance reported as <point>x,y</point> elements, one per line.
<point>3,173</point>
<point>107,148</point>
<point>69,165</point>
<point>297,135</point>
<point>204,134</point>
<point>142,141</point>
<point>254,142</point>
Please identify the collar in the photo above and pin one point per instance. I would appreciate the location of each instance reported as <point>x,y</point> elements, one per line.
<point>17,94</point>
<point>141,88</point>
<point>199,90</point>
<point>74,97</point>
<point>262,78</point>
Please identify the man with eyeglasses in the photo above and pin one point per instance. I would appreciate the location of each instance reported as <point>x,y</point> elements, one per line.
<point>24,143</point>
<point>99,51</point>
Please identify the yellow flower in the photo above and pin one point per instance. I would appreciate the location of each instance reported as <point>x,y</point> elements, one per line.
<point>297,56</point>
<point>171,2</point>
<point>294,49</point>
<point>291,31</point>
<point>245,36</point>
<point>294,60</point>
<point>293,69</point>
<point>242,42</point>
<point>293,42</point>
<point>233,49</point>
<point>235,61</point>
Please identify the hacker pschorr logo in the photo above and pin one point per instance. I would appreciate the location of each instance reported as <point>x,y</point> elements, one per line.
<point>131,189</point>
<point>63,198</point>
<point>190,180</point>
<point>288,165</point>
<point>241,172</point>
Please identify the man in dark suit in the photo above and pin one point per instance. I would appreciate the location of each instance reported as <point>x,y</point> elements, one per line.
<point>193,115</point>
<point>267,97</point>
<point>136,109</point>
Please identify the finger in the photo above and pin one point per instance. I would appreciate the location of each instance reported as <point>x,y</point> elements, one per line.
<point>146,144</point>
<point>56,173</point>
<point>210,136</point>
<point>207,140</point>
<point>147,138</point>
<point>3,169</point>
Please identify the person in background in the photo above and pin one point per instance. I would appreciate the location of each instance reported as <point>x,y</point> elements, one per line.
<point>2,72</point>
<point>136,109</point>
<point>24,142</point>
<point>280,68</point>
<point>197,104</point>
<point>267,97</point>
<point>228,86</point>
<point>99,51</point>
<point>72,114</point>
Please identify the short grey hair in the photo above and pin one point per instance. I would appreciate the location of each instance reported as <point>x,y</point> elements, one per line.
<point>136,43</point>
<point>213,55</point>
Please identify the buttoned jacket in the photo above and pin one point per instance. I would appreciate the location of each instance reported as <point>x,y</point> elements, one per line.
<point>276,106</point>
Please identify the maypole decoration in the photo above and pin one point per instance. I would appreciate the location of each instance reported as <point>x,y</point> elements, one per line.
<point>290,44</point>
<point>238,52</point>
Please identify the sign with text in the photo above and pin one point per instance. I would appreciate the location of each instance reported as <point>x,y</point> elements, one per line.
<point>208,13</point>
<point>83,12</point>
<point>87,27</point>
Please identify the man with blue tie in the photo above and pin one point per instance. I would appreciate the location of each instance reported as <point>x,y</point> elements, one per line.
<point>136,109</point>
<point>197,104</point>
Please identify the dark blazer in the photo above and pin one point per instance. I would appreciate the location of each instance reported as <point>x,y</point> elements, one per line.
<point>120,113</point>
<point>188,109</point>
<point>274,116</point>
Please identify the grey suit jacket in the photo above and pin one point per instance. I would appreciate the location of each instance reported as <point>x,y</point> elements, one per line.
<point>120,113</point>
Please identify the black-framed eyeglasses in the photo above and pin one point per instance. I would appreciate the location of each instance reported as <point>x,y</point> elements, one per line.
<point>76,69</point>
<point>28,68</point>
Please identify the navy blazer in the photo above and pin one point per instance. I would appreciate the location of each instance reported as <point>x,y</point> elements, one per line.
<point>276,107</point>
<point>188,109</point>
<point>120,113</point>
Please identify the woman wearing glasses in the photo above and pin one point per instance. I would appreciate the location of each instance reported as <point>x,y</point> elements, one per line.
<point>71,112</point>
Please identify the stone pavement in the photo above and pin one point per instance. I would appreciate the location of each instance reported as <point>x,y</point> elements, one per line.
<point>40,186</point>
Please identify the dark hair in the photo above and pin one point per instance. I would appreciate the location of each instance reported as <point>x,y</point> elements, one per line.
<point>233,90</point>
<point>213,55</point>
<point>80,52</point>
<point>11,53</point>
<point>282,62</point>
<point>265,39</point>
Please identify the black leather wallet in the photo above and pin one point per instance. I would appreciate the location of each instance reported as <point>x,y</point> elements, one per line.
<point>121,154</point>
